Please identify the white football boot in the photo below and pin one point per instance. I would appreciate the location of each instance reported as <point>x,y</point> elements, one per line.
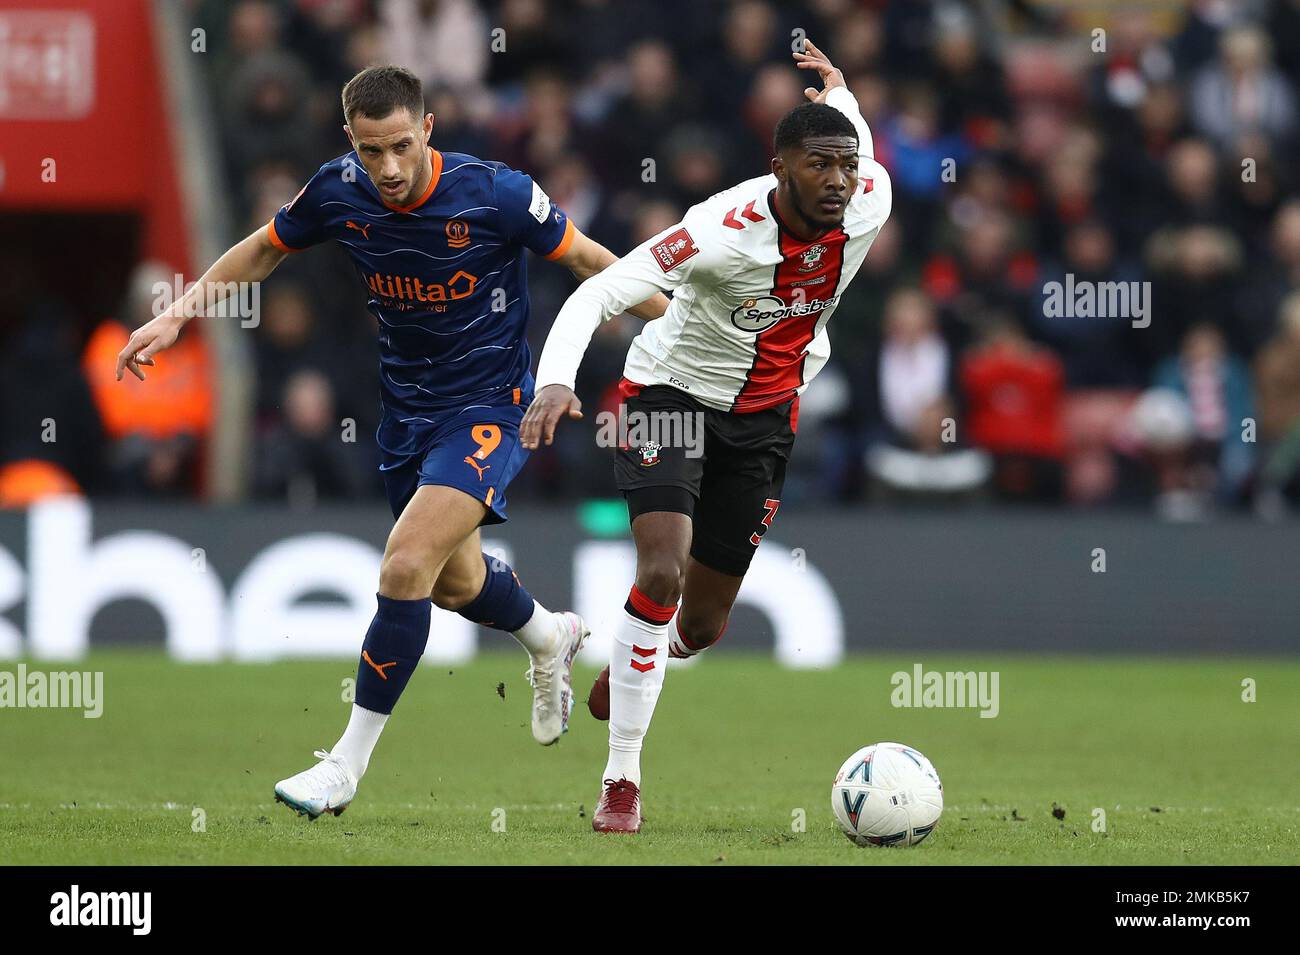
<point>552,677</point>
<point>327,787</point>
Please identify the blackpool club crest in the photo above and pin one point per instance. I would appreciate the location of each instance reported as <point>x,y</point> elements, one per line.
<point>812,258</point>
<point>650,453</point>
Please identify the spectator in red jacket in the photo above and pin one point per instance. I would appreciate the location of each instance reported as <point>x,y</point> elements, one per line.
<point>1014,393</point>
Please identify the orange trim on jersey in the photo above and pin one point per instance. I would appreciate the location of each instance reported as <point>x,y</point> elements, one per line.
<point>436,158</point>
<point>569,234</point>
<point>516,396</point>
<point>277,241</point>
<point>488,500</point>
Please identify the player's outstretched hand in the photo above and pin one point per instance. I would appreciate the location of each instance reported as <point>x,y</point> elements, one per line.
<point>549,405</point>
<point>814,59</point>
<point>146,341</point>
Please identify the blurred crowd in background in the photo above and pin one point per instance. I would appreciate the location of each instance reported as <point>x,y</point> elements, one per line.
<point>1024,148</point>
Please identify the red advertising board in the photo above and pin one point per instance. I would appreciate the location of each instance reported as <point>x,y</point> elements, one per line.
<point>83,120</point>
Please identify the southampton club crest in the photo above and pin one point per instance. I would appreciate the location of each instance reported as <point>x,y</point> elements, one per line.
<point>812,258</point>
<point>650,453</point>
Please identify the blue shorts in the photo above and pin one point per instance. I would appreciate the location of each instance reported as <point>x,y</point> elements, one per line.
<point>476,451</point>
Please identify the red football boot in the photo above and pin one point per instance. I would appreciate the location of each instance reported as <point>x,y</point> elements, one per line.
<point>619,809</point>
<point>598,698</point>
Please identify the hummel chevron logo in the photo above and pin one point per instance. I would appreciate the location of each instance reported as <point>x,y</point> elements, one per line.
<point>731,222</point>
<point>378,667</point>
<point>643,666</point>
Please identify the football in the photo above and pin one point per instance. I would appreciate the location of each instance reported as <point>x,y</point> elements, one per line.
<point>887,794</point>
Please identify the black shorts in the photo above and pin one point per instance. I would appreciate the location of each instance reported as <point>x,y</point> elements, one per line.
<point>724,470</point>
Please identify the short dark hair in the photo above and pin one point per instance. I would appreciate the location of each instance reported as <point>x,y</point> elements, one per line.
<point>377,91</point>
<point>811,119</point>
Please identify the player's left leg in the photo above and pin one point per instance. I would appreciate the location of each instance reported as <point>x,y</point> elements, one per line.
<point>700,621</point>
<point>432,523</point>
<point>480,453</point>
<point>707,598</point>
<point>739,498</point>
<point>486,590</point>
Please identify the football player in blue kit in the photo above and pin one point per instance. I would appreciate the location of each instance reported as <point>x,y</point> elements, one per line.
<point>440,241</point>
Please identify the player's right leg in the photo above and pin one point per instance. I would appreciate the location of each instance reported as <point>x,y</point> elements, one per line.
<point>701,619</point>
<point>738,496</point>
<point>432,526</point>
<point>661,484</point>
<point>639,655</point>
<point>707,598</point>
<point>486,590</point>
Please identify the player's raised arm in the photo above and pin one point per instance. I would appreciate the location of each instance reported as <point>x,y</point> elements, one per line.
<point>642,276</point>
<point>250,260</point>
<point>834,93</point>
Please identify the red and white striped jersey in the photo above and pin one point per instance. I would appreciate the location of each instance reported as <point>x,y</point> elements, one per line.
<point>746,327</point>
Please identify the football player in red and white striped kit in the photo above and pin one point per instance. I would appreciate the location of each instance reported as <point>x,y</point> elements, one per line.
<point>756,272</point>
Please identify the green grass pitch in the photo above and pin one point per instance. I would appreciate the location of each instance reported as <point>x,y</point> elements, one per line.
<point>1185,771</point>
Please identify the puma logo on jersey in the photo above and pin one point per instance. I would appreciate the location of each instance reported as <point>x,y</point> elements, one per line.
<point>476,466</point>
<point>363,229</point>
<point>674,250</point>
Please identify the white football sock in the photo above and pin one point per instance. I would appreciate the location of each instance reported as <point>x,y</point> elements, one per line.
<point>539,634</point>
<point>676,645</point>
<point>359,739</point>
<point>638,661</point>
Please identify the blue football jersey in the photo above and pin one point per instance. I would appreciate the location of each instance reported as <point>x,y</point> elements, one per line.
<point>447,279</point>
